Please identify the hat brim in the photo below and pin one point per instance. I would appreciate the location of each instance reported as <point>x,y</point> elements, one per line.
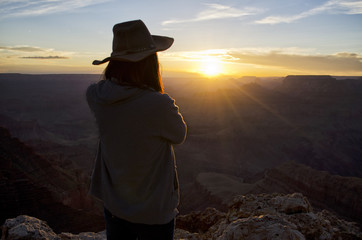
<point>161,42</point>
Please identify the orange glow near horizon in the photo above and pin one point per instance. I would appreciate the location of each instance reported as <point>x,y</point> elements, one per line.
<point>212,64</point>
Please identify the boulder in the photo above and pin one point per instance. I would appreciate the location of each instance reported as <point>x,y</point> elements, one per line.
<point>261,227</point>
<point>25,227</point>
<point>30,228</point>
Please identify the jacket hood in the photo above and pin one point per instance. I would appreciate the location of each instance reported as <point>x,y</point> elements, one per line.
<point>108,92</point>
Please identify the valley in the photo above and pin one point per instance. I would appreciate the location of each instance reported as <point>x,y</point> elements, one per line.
<point>247,135</point>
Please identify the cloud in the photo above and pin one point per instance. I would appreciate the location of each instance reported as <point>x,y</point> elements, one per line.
<point>27,52</point>
<point>351,7</point>
<point>331,6</point>
<point>216,11</point>
<point>339,62</point>
<point>45,57</point>
<point>285,59</point>
<point>21,8</point>
<point>24,49</point>
<point>215,54</point>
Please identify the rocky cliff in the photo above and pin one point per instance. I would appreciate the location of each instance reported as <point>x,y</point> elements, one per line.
<point>336,193</point>
<point>265,216</point>
<point>35,186</point>
<point>342,195</point>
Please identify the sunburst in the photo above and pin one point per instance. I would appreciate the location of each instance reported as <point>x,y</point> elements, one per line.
<point>211,67</point>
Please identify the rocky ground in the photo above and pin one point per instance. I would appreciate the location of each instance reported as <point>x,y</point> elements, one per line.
<point>264,216</point>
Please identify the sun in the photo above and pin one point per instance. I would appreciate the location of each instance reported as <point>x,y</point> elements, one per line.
<point>210,67</point>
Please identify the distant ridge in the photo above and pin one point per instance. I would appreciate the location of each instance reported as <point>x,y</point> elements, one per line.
<point>309,86</point>
<point>308,79</point>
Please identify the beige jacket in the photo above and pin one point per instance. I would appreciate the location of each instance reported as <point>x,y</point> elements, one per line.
<point>135,170</point>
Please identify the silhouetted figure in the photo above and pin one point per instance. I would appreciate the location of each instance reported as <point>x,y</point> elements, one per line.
<point>135,172</point>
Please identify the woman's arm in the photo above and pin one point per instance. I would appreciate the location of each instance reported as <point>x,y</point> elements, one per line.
<point>173,126</point>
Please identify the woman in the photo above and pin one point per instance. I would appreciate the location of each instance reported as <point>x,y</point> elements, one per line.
<point>135,172</point>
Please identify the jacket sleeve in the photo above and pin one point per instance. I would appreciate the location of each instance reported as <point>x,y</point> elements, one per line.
<point>173,126</point>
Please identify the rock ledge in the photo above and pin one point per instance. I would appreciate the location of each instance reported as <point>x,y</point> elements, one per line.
<point>263,216</point>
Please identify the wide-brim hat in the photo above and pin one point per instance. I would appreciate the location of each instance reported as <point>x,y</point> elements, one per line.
<point>132,42</point>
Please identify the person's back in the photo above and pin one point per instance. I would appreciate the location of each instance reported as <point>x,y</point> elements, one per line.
<point>135,172</point>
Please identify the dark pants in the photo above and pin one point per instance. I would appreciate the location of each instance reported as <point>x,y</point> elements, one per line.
<point>119,229</point>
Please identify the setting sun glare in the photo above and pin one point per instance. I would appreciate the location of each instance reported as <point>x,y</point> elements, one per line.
<point>210,67</point>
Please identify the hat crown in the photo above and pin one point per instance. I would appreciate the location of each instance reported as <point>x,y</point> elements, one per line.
<point>131,37</point>
<point>133,42</point>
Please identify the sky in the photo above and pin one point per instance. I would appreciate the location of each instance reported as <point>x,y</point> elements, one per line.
<point>212,38</point>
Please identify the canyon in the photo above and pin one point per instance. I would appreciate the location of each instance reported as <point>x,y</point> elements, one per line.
<point>298,134</point>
